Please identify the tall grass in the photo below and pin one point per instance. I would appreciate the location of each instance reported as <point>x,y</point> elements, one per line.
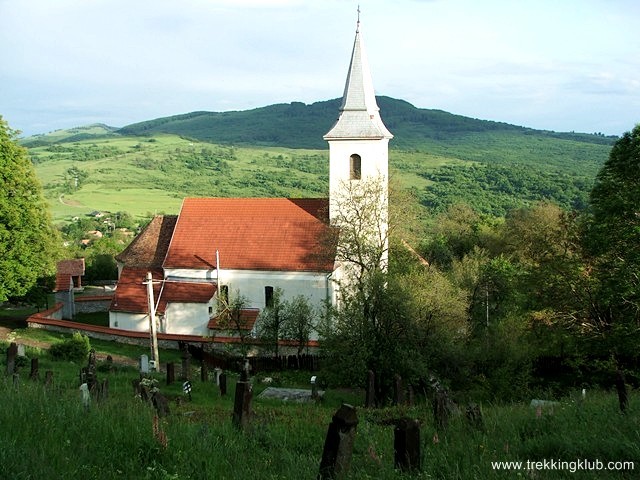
<point>46,433</point>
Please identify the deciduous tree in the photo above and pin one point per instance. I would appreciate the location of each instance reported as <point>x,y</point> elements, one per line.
<point>28,242</point>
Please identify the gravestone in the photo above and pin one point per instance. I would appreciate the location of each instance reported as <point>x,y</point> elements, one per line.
<point>217,372</point>
<point>161,404</point>
<point>223,384</point>
<point>242,405</point>
<point>92,378</point>
<point>370,398</point>
<point>406,444</point>
<point>398,391</point>
<point>474,416</point>
<point>441,409</point>
<point>103,392</point>
<point>12,352</point>
<point>85,397</point>
<point>186,365</point>
<point>21,350</point>
<point>621,387</point>
<point>314,387</point>
<point>34,375</point>
<point>171,373</point>
<point>144,364</point>
<point>338,445</point>
<point>48,378</point>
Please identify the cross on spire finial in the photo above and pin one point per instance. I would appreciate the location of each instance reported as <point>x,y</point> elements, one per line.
<point>358,25</point>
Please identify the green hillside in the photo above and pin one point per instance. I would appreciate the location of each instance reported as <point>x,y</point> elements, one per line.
<point>278,150</point>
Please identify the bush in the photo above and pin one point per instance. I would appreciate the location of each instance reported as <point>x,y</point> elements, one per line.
<point>75,349</point>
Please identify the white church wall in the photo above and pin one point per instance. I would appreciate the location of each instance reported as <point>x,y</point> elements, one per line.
<point>186,318</point>
<point>137,322</point>
<point>251,284</point>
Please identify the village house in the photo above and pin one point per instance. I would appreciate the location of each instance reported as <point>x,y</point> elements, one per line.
<point>219,248</point>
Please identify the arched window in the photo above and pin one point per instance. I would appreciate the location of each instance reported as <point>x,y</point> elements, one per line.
<point>355,170</point>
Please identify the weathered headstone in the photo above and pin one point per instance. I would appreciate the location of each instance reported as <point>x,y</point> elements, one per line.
<point>441,409</point>
<point>204,372</point>
<point>12,352</point>
<point>144,364</point>
<point>406,444</point>
<point>34,374</point>
<point>621,387</point>
<point>217,372</point>
<point>186,365</point>
<point>398,390</point>
<point>92,377</point>
<point>370,398</point>
<point>171,373</point>
<point>161,404</point>
<point>85,397</point>
<point>338,445</point>
<point>103,393</point>
<point>242,405</point>
<point>223,384</point>
<point>474,416</point>
<point>21,350</point>
<point>48,378</point>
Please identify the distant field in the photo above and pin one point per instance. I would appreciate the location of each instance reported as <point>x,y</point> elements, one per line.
<point>494,167</point>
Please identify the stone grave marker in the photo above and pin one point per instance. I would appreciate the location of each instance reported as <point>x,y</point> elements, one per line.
<point>171,373</point>
<point>34,375</point>
<point>223,384</point>
<point>621,387</point>
<point>370,398</point>
<point>398,390</point>
<point>21,350</point>
<point>338,445</point>
<point>48,378</point>
<point>144,364</point>
<point>217,372</point>
<point>242,405</point>
<point>406,444</point>
<point>12,352</point>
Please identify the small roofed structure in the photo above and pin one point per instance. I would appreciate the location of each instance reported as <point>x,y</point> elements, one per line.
<point>69,275</point>
<point>68,281</point>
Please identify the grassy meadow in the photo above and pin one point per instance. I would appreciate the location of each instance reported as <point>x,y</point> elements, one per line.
<point>48,434</point>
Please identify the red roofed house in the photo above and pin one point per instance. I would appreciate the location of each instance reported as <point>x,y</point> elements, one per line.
<point>251,246</point>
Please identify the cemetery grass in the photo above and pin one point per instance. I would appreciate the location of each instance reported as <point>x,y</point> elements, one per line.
<point>46,433</point>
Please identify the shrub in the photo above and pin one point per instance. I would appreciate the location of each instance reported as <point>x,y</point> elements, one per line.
<point>74,349</point>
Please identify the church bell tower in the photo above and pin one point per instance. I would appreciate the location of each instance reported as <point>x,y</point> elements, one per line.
<point>359,141</point>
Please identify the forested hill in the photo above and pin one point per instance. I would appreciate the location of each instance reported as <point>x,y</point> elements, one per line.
<point>297,125</point>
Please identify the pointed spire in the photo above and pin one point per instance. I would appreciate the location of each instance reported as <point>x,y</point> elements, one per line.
<point>359,112</point>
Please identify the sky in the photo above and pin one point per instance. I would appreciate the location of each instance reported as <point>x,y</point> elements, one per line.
<point>562,65</point>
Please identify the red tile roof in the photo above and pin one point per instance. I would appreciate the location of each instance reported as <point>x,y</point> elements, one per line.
<point>74,266</point>
<point>252,234</point>
<point>131,294</point>
<point>149,248</point>
<point>185,292</point>
<point>247,319</point>
<point>65,271</point>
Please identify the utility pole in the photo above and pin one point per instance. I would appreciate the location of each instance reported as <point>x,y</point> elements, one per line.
<point>152,322</point>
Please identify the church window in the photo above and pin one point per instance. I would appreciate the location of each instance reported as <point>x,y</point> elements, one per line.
<point>355,172</point>
<point>224,294</point>
<point>268,296</point>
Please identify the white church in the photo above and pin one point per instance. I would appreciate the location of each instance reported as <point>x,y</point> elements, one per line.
<point>220,247</point>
